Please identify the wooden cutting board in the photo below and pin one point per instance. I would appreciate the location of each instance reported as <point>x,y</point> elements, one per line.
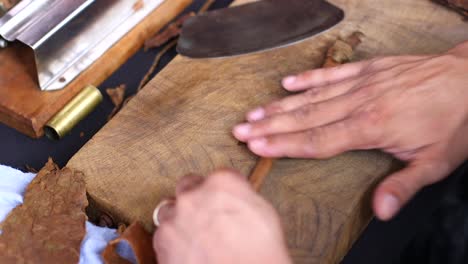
<point>26,108</point>
<point>181,122</point>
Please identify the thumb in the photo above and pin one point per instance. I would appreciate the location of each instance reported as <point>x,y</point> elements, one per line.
<point>397,189</point>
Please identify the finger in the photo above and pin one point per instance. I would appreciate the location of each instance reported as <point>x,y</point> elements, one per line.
<point>313,95</point>
<point>328,76</point>
<point>303,118</point>
<point>396,190</point>
<point>320,142</point>
<point>188,183</point>
<point>228,180</point>
<point>323,77</point>
<point>227,175</point>
<point>164,241</point>
<point>164,212</point>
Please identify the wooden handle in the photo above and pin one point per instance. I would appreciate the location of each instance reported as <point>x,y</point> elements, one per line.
<point>339,53</point>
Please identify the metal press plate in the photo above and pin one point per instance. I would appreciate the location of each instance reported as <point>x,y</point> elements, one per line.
<point>67,36</point>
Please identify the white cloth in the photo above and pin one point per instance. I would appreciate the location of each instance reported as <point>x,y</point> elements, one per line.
<point>12,186</point>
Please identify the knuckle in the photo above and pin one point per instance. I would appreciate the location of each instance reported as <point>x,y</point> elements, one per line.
<point>274,107</point>
<point>377,64</point>
<point>219,197</point>
<point>371,88</point>
<point>312,94</point>
<point>432,173</point>
<point>382,63</point>
<point>372,115</point>
<point>185,203</point>
<point>403,189</point>
<point>223,177</point>
<point>448,59</point>
<point>307,75</point>
<point>259,128</point>
<point>318,144</point>
<point>370,122</point>
<point>311,143</point>
<point>382,76</point>
<point>365,93</point>
<point>304,112</point>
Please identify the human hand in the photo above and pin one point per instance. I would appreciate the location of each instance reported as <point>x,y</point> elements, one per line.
<point>219,219</point>
<point>414,107</point>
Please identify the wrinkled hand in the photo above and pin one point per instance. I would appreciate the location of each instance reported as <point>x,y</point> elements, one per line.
<point>414,107</point>
<point>219,220</point>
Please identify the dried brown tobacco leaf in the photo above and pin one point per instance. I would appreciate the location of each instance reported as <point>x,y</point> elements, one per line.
<point>121,228</point>
<point>155,63</point>
<point>172,30</point>
<point>139,240</point>
<point>105,220</point>
<point>50,225</point>
<point>139,4</point>
<point>342,50</point>
<point>30,169</point>
<point>117,96</point>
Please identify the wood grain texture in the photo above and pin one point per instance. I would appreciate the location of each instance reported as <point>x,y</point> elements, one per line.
<point>24,107</point>
<point>181,123</point>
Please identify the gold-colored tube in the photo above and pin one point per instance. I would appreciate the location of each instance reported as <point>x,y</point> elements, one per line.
<point>73,112</point>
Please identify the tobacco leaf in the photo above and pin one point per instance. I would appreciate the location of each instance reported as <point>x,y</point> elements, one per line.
<point>117,96</point>
<point>140,242</point>
<point>30,169</point>
<point>172,30</point>
<point>50,225</point>
<point>342,50</point>
<point>105,220</point>
<point>155,63</point>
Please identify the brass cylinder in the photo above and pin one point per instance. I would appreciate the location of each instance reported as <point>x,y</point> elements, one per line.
<point>73,112</point>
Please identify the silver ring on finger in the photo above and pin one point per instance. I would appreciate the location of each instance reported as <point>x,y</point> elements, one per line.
<point>156,211</point>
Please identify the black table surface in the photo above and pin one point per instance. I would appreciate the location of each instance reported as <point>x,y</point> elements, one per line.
<point>380,242</point>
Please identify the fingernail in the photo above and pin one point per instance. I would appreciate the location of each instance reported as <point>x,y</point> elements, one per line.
<point>390,206</point>
<point>258,143</point>
<point>256,114</point>
<point>242,129</point>
<point>289,80</point>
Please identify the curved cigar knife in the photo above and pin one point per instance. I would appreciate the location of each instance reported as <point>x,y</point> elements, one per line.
<point>255,27</point>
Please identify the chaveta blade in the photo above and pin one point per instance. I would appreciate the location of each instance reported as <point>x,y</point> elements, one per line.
<point>255,27</point>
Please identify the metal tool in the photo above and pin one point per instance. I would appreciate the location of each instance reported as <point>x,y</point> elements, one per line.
<point>66,36</point>
<point>255,27</point>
